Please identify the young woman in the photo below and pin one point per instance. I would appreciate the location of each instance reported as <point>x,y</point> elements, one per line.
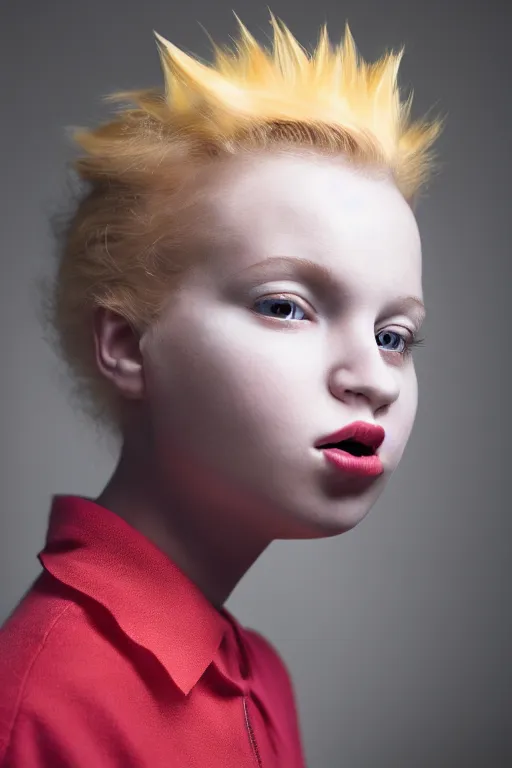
<point>238,297</point>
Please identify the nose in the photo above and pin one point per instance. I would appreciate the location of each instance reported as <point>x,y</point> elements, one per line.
<point>362,371</point>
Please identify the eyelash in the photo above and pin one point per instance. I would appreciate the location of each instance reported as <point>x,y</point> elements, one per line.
<point>409,343</point>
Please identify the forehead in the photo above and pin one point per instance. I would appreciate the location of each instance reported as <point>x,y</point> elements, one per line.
<point>350,220</point>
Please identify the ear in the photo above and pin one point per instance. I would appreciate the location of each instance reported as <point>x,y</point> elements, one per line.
<point>117,353</point>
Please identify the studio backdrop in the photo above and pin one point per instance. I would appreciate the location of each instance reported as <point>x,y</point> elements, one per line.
<point>397,634</point>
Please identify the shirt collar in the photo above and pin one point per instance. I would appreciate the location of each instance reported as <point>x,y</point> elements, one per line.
<point>93,550</point>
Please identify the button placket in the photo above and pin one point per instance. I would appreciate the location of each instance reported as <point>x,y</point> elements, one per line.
<point>252,737</point>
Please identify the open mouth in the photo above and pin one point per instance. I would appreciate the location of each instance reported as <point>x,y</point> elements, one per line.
<point>354,447</point>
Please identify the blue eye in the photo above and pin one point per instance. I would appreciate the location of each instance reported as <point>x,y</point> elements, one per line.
<point>281,308</point>
<point>388,337</point>
<point>285,308</point>
<point>399,344</point>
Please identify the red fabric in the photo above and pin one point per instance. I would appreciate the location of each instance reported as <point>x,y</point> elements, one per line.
<point>115,658</point>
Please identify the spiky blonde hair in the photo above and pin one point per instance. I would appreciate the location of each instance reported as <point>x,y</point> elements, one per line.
<point>124,246</point>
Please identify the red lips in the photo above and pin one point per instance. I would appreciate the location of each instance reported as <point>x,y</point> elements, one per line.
<point>363,440</point>
<point>369,435</point>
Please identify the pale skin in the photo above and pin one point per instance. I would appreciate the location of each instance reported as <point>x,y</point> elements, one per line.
<point>225,399</point>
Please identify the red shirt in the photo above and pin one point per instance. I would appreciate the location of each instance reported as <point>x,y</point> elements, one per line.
<point>115,659</point>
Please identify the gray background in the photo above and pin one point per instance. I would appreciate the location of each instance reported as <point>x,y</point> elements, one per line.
<point>397,634</point>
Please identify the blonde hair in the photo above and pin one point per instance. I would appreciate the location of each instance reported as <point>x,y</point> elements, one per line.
<point>123,248</point>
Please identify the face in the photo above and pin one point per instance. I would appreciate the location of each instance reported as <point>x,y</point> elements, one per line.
<point>292,326</point>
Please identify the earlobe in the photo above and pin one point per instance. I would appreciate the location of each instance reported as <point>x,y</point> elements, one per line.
<point>117,353</point>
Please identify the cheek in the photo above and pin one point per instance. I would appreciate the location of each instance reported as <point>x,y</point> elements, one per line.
<point>412,401</point>
<point>404,416</point>
<point>230,381</point>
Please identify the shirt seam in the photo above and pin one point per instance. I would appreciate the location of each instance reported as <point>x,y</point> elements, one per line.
<point>23,686</point>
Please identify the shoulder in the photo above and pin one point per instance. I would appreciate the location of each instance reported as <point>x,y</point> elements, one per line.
<point>264,646</point>
<point>268,658</point>
<point>23,637</point>
<point>49,653</point>
<point>274,683</point>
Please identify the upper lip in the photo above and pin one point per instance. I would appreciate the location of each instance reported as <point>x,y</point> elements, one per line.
<point>370,435</point>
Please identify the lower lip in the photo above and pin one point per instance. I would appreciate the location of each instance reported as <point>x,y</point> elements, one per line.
<point>363,466</point>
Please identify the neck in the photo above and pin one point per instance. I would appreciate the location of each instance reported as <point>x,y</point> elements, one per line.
<point>207,541</point>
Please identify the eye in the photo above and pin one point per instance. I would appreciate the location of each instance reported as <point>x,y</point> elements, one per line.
<point>280,307</point>
<point>399,343</point>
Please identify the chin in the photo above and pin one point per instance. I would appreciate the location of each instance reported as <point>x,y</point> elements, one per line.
<point>337,517</point>
<point>335,526</point>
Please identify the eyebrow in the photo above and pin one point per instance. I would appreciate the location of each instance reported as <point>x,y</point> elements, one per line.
<point>323,278</point>
<point>318,275</point>
<point>409,304</point>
